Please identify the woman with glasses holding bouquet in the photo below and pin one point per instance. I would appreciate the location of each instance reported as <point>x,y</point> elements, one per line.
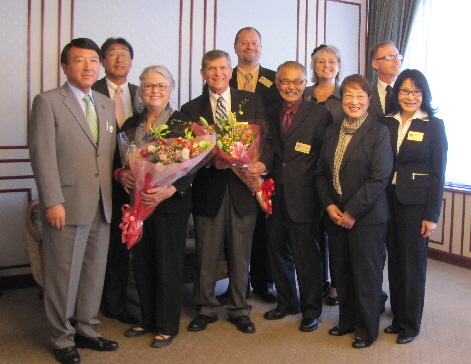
<point>415,197</point>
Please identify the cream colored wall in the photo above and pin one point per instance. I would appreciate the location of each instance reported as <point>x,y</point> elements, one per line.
<point>172,33</point>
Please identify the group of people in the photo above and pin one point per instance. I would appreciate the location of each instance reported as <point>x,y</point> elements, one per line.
<point>356,168</point>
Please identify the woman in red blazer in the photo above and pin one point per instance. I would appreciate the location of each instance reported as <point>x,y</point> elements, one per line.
<point>415,197</point>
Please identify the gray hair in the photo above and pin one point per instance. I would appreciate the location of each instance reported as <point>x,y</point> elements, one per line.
<point>292,64</point>
<point>213,55</point>
<point>138,102</point>
<point>374,49</point>
<point>315,56</point>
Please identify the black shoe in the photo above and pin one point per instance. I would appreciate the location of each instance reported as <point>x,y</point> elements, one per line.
<point>391,329</point>
<point>359,343</point>
<point>401,339</point>
<point>277,314</point>
<point>125,317</point>
<point>244,324</point>
<point>156,343</point>
<point>269,295</point>
<point>337,331</point>
<point>68,355</point>
<point>309,324</point>
<point>200,322</point>
<point>132,332</point>
<point>95,343</point>
<point>332,301</point>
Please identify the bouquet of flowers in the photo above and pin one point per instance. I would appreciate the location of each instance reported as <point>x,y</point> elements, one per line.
<point>238,144</point>
<point>160,163</point>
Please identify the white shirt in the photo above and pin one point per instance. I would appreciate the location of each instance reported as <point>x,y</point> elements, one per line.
<point>382,93</point>
<point>80,95</point>
<point>213,98</point>
<point>125,96</point>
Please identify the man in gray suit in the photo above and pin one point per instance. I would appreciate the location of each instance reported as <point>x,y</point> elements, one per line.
<point>117,59</point>
<point>386,60</point>
<point>72,141</point>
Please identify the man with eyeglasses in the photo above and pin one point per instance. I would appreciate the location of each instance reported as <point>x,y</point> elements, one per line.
<point>386,60</point>
<point>224,210</point>
<point>117,59</point>
<point>296,129</point>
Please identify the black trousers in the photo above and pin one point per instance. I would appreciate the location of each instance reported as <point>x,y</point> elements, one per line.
<point>407,265</point>
<point>158,262</point>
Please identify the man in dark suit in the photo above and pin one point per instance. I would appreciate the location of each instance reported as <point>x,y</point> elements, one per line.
<point>117,59</point>
<point>386,60</point>
<point>296,129</point>
<point>250,76</point>
<point>224,209</point>
<point>72,141</point>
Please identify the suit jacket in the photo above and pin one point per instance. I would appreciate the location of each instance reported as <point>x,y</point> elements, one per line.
<point>364,173</point>
<point>375,110</point>
<point>210,183</point>
<point>292,167</point>
<point>69,167</point>
<point>269,94</point>
<point>420,164</point>
<point>102,88</point>
<point>181,200</point>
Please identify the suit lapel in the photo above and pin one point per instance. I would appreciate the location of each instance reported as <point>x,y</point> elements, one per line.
<point>300,117</point>
<point>356,138</point>
<point>105,125</point>
<point>417,125</point>
<point>205,108</point>
<point>73,105</point>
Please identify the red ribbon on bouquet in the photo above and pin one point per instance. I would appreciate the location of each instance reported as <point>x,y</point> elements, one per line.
<point>264,195</point>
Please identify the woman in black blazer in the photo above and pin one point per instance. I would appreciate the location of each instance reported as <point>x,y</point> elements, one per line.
<point>158,258</point>
<point>354,168</point>
<point>415,197</point>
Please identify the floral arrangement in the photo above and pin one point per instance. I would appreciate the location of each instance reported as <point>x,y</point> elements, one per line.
<point>160,163</point>
<point>239,145</point>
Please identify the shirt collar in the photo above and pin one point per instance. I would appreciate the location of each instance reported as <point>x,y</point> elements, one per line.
<point>294,108</point>
<point>226,95</point>
<point>113,86</point>
<point>419,114</point>
<point>79,93</point>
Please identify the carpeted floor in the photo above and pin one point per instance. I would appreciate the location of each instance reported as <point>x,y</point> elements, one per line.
<point>445,336</point>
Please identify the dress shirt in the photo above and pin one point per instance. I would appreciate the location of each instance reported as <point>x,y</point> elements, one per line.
<point>213,98</point>
<point>403,129</point>
<point>241,80</point>
<point>79,95</point>
<point>125,96</point>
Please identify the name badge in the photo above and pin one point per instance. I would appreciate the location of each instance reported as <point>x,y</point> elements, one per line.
<point>303,148</point>
<point>265,81</point>
<point>415,136</point>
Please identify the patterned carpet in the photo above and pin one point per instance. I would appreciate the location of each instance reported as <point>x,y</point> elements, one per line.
<point>446,331</point>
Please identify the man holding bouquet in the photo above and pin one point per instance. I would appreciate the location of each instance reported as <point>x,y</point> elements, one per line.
<point>224,209</point>
<point>295,132</point>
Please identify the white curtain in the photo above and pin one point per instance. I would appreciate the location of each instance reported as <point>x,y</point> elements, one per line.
<point>440,47</point>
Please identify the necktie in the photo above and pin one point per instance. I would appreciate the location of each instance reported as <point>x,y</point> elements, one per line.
<point>91,117</point>
<point>221,112</point>
<point>387,99</point>
<point>120,116</point>
<point>286,121</point>
<point>248,82</point>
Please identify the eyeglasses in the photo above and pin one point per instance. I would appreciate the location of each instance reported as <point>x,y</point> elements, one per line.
<point>151,86</point>
<point>115,55</point>
<point>286,82</point>
<point>405,92</point>
<point>390,57</point>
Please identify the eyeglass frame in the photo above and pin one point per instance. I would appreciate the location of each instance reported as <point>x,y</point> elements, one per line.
<point>150,86</point>
<point>286,82</point>
<point>405,92</point>
<point>390,57</point>
<point>116,54</point>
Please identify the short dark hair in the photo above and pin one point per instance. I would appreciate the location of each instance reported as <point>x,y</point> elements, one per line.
<point>214,54</point>
<point>360,81</point>
<point>420,82</point>
<point>246,28</point>
<point>84,43</point>
<point>111,41</point>
<point>375,47</point>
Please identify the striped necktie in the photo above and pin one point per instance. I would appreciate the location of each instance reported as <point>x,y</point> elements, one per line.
<point>120,116</point>
<point>221,112</point>
<point>91,117</point>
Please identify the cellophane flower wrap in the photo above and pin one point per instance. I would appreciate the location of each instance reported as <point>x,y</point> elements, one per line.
<point>239,144</point>
<point>160,163</point>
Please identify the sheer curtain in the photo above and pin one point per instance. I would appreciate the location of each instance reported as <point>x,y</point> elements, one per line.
<point>439,47</point>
